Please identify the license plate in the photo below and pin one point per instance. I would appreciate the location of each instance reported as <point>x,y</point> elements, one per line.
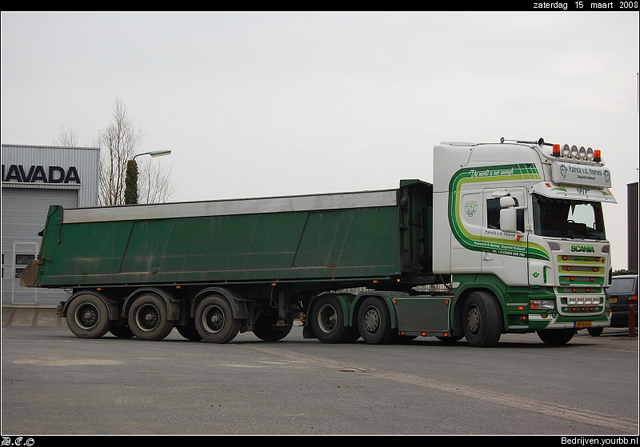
<point>613,299</point>
<point>583,324</point>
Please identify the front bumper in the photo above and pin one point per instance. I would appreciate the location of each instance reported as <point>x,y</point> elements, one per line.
<point>553,320</point>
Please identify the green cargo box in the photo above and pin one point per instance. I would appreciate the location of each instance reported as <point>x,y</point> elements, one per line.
<point>332,237</point>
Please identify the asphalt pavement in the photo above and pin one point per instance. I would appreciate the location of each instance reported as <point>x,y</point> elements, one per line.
<point>56,383</point>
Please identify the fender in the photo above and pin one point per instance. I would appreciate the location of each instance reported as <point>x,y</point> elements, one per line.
<point>469,283</point>
<point>112,306</point>
<point>173,305</point>
<point>237,303</point>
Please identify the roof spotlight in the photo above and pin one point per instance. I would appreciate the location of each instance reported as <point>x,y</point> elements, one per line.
<point>574,151</point>
<point>566,150</point>
<point>589,154</point>
<point>583,153</point>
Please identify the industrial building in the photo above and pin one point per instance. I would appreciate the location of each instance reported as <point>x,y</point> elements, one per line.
<point>34,177</point>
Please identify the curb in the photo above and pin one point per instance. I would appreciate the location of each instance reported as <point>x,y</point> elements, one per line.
<point>34,316</point>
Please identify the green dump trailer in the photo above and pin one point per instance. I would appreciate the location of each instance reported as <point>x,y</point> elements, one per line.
<point>512,231</point>
<point>219,267</point>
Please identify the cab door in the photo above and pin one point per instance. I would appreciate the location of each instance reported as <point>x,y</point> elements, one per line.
<point>504,254</point>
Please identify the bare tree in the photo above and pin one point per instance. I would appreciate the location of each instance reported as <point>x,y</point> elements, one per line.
<point>118,144</point>
<point>154,182</point>
<point>67,137</point>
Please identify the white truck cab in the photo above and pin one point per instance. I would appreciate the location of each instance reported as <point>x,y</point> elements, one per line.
<point>524,221</point>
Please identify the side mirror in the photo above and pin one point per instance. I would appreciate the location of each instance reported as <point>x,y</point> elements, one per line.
<point>508,216</point>
<point>507,202</point>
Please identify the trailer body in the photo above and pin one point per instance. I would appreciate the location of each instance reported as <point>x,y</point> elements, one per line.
<point>335,238</point>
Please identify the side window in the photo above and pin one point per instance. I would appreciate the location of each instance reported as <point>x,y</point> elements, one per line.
<point>493,214</point>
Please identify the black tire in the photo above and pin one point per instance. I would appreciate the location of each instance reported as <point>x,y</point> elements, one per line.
<point>121,331</point>
<point>147,318</point>
<point>189,331</point>
<point>595,331</point>
<point>88,316</point>
<point>556,337</point>
<point>450,340</point>
<point>265,328</point>
<point>214,320</point>
<point>327,320</point>
<point>374,321</point>
<point>482,321</point>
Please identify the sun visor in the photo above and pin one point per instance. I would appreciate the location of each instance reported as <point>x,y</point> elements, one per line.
<point>580,175</point>
<point>582,192</point>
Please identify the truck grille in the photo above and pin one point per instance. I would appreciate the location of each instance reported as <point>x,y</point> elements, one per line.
<point>581,284</point>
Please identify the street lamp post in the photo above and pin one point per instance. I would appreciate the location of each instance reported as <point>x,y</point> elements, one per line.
<point>131,177</point>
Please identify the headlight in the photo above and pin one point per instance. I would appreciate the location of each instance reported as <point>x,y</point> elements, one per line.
<point>542,304</point>
<point>573,301</point>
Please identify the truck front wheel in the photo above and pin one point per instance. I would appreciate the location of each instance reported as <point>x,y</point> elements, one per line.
<point>481,319</point>
<point>148,318</point>
<point>214,320</point>
<point>88,317</point>
<point>556,337</point>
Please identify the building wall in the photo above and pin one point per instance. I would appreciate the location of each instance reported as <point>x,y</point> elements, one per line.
<point>632,229</point>
<point>34,177</point>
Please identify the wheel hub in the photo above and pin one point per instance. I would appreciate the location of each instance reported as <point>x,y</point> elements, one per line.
<point>148,318</point>
<point>371,321</point>
<point>87,316</point>
<point>327,318</point>
<point>214,319</point>
<point>473,320</point>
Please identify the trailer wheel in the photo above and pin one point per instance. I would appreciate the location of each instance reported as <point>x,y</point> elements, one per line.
<point>148,318</point>
<point>374,321</point>
<point>121,331</point>
<point>88,317</point>
<point>327,320</point>
<point>189,331</point>
<point>214,320</point>
<point>265,328</point>
<point>482,319</point>
<point>556,337</point>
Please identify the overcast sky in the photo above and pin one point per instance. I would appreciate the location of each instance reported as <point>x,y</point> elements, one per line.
<point>263,104</point>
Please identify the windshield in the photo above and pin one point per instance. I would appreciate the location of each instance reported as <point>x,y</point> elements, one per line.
<point>622,285</point>
<point>567,218</point>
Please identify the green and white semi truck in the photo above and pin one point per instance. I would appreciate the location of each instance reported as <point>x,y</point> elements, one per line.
<point>513,230</point>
